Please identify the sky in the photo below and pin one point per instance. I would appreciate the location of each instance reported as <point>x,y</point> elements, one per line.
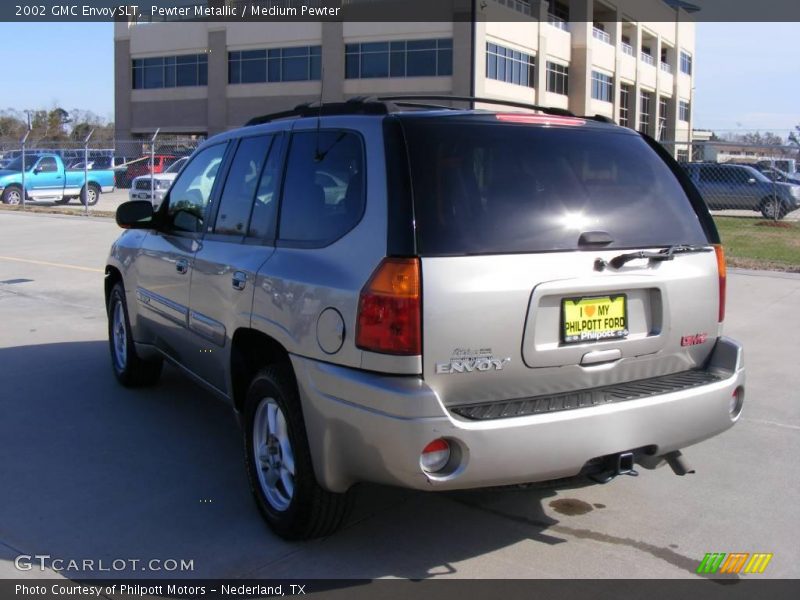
<point>747,75</point>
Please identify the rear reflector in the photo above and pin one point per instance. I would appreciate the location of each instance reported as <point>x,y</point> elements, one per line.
<point>539,119</point>
<point>389,318</point>
<point>435,456</point>
<point>722,272</point>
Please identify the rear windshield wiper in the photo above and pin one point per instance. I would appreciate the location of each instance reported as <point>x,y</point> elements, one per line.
<point>665,254</point>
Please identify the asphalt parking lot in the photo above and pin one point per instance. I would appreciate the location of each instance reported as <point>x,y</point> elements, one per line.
<point>90,470</point>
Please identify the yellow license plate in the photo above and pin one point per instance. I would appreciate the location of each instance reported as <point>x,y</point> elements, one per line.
<point>594,319</point>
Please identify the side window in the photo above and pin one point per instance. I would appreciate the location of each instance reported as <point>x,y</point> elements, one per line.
<point>265,207</point>
<point>709,175</point>
<point>240,186</point>
<point>741,176</point>
<point>47,165</point>
<point>323,194</point>
<point>189,195</point>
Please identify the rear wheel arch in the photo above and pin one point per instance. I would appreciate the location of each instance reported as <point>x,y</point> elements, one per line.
<point>252,350</point>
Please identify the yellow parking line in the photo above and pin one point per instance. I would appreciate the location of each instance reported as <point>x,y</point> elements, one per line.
<point>50,264</point>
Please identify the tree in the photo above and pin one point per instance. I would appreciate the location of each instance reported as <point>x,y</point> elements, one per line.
<point>794,136</point>
<point>12,125</point>
<point>755,138</point>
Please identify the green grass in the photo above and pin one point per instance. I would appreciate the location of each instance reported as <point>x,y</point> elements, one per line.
<point>759,244</point>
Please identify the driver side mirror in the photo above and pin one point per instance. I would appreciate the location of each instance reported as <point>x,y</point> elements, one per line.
<point>136,214</point>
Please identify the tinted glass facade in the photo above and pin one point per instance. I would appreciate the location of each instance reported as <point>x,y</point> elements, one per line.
<point>170,71</point>
<point>301,63</point>
<point>405,58</point>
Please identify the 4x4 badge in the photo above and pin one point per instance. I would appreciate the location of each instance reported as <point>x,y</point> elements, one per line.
<point>468,365</point>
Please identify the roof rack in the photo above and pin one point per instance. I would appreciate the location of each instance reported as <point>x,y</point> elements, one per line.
<point>383,105</point>
<point>550,110</point>
<point>354,106</point>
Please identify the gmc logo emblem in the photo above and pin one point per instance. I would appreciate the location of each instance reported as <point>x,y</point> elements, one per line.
<point>694,340</point>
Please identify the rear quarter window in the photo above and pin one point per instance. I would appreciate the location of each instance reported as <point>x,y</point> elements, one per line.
<point>323,190</point>
<point>482,187</point>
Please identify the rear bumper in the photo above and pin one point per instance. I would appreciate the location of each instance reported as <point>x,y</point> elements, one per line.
<point>369,427</point>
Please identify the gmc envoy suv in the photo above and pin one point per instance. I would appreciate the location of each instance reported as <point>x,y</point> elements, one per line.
<point>394,291</point>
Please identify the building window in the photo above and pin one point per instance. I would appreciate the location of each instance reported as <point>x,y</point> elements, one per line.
<point>625,93</point>
<point>686,63</point>
<point>511,66</point>
<point>602,87</point>
<point>682,155</point>
<point>411,58</point>
<point>684,111</point>
<point>645,101</point>
<point>662,118</point>
<point>557,78</point>
<point>559,10</point>
<point>301,63</point>
<point>170,71</point>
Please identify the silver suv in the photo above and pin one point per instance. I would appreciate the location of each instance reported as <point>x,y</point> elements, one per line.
<point>435,298</point>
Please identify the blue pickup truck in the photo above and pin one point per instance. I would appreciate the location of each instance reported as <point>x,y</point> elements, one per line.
<point>47,179</point>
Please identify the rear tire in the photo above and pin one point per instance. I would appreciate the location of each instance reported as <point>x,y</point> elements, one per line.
<point>90,194</point>
<point>278,461</point>
<point>129,369</point>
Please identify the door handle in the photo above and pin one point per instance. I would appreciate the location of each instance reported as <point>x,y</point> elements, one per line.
<point>239,280</point>
<point>182,266</point>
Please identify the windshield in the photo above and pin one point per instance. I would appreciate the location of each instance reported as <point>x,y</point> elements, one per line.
<point>483,187</point>
<point>176,166</point>
<point>16,164</point>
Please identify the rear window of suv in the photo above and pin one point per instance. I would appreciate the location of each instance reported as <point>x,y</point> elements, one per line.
<point>483,187</point>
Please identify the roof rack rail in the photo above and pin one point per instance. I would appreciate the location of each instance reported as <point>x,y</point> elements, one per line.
<point>354,106</point>
<point>383,105</point>
<point>550,110</point>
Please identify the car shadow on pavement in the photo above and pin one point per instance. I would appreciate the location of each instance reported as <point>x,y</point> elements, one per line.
<point>99,472</point>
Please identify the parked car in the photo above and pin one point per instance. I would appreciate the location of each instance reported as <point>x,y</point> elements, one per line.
<point>141,165</point>
<point>141,186</point>
<point>493,298</point>
<point>46,179</point>
<point>741,187</point>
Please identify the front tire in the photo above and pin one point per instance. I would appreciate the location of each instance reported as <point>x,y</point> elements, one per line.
<point>278,461</point>
<point>129,368</point>
<point>773,209</point>
<point>12,195</point>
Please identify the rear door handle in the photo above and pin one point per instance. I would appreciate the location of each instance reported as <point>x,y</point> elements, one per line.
<point>239,280</point>
<point>182,266</point>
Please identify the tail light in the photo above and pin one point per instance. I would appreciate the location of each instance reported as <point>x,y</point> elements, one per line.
<point>721,270</point>
<point>389,312</point>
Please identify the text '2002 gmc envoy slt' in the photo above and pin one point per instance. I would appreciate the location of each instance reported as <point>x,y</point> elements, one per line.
<point>397,292</point>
